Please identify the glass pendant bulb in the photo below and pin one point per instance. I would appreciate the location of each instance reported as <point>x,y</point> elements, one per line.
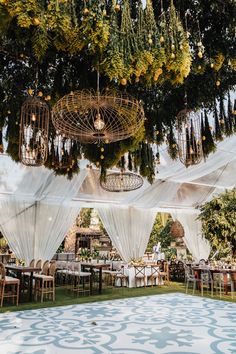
<point>98,123</point>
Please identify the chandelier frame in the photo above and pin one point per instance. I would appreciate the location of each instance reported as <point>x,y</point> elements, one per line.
<point>189,139</point>
<point>34,128</point>
<point>121,182</point>
<point>94,117</point>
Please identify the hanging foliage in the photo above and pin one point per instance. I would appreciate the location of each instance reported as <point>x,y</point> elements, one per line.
<point>208,144</point>
<point>218,131</point>
<point>145,49</point>
<point>178,62</point>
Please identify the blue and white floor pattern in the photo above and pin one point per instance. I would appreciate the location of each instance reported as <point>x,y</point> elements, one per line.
<point>160,324</point>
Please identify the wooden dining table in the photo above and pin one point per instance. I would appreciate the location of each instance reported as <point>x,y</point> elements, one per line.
<point>223,271</point>
<point>19,271</point>
<point>92,267</point>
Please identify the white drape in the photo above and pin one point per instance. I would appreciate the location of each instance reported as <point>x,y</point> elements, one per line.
<point>35,225</point>
<point>129,229</point>
<point>195,242</point>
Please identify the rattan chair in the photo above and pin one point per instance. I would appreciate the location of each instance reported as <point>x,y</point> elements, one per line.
<point>38,263</point>
<point>9,286</point>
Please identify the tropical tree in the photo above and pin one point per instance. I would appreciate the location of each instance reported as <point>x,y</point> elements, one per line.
<point>219,223</point>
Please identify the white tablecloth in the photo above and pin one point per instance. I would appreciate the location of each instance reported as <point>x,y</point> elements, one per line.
<point>130,272</point>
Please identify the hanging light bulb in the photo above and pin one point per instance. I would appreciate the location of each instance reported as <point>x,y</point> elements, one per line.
<point>99,123</point>
<point>33,117</point>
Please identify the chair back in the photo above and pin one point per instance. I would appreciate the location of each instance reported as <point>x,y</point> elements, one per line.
<point>45,267</point>
<point>32,263</point>
<point>2,272</point>
<point>165,266</point>
<point>52,268</point>
<point>218,278</point>
<point>39,263</point>
<point>189,273</point>
<point>155,270</point>
<point>206,276</point>
<point>139,271</point>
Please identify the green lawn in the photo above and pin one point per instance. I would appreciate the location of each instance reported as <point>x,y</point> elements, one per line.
<point>64,298</point>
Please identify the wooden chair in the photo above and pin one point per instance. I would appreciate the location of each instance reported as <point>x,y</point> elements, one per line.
<point>80,281</point>
<point>121,278</point>
<point>164,272</point>
<point>8,283</point>
<point>32,263</point>
<point>45,282</point>
<point>38,264</point>
<point>140,275</point>
<point>155,275</point>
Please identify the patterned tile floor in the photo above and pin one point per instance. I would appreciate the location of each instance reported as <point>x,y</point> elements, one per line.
<point>170,324</point>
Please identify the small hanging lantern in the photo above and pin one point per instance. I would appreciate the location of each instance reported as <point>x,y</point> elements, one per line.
<point>34,127</point>
<point>61,151</point>
<point>122,182</point>
<point>189,137</point>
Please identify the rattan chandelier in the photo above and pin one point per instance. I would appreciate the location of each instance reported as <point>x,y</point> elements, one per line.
<point>94,117</point>
<point>33,144</point>
<point>189,138</point>
<point>122,182</point>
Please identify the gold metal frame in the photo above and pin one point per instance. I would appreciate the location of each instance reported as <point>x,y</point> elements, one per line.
<point>93,117</point>
<point>33,144</point>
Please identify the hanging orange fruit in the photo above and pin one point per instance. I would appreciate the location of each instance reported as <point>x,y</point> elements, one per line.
<point>86,11</point>
<point>200,54</point>
<point>117,7</point>
<point>123,82</point>
<point>36,21</point>
<point>162,39</point>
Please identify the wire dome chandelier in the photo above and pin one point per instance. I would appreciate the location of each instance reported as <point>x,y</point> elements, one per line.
<point>189,137</point>
<point>94,117</point>
<point>33,144</point>
<point>122,182</point>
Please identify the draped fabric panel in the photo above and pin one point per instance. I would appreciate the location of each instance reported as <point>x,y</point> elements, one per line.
<point>129,229</point>
<point>194,240</point>
<point>36,224</point>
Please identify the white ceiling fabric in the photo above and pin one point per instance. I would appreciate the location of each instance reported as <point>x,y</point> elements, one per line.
<point>36,209</point>
<point>175,189</point>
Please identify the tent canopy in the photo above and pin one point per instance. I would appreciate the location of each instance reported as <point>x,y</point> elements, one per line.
<point>37,207</point>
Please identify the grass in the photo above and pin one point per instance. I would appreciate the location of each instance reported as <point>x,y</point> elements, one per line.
<point>64,298</point>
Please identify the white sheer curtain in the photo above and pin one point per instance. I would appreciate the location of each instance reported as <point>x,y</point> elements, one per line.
<point>129,229</point>
<point>195,242</point>
<point>35,225</point>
